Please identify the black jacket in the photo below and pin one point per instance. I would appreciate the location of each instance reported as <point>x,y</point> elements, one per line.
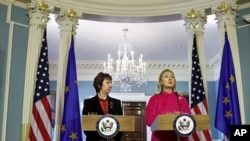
<point>93,105</point>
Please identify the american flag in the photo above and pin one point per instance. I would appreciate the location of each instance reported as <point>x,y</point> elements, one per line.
<point>40,127</point>
<point>198,98</point>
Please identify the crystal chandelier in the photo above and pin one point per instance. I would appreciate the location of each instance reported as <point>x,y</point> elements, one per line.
<point>125,71</point>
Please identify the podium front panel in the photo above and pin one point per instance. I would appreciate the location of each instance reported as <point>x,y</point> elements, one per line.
<point>165,122</point>
<point>202,121</point>
<point>127,123</point>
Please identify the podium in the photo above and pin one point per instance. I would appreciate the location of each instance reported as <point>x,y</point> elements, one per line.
<point>165,122</point>
<point>127,123</point>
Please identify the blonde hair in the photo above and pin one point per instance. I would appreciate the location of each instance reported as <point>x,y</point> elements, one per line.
<point>159,86</point>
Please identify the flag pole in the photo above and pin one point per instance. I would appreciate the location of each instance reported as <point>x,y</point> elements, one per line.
<point>25,131</point>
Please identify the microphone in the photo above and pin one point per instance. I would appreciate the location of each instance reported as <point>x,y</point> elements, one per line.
<point>178,101</point>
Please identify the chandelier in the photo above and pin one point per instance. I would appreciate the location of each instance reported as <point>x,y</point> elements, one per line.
<point>125,71</point>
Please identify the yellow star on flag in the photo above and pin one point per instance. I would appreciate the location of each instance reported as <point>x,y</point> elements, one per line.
<point>228,86</point>
<point>228,114</point>
<point>63,128</point>
<point>67,89</point>
<point>232,79</point>
<point>226,100</point>
<point>73,136</point>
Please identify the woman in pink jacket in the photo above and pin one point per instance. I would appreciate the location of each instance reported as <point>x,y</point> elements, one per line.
<point>166,101</point>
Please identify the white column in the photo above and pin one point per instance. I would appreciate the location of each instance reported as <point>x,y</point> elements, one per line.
<point>195,22</point>
<point>37,23</point>
<point>226,16</point>
<point>67,21</point>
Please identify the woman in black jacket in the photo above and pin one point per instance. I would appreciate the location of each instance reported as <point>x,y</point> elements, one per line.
<point>102,104</point>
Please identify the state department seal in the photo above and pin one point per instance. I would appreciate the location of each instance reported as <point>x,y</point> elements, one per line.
<point>107,126</point>
<point>184,125</point>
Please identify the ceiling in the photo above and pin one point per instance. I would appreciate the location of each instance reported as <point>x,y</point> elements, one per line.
<point>157,38</point>
<point>156,28</point>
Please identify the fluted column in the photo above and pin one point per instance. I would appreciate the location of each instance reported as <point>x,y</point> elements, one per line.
<point>195,22</point>
<point>67,20</point>
<point>38,17</point>
<point>226,17</point>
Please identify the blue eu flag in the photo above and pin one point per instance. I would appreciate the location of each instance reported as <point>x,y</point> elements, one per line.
<point>227,109</point>
<point>71,120</point>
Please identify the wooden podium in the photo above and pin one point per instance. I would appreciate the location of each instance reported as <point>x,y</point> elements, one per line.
<point>165,122</point>
<point>127,123</point>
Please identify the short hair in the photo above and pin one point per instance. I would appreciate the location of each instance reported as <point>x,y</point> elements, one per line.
<point>98,80</point>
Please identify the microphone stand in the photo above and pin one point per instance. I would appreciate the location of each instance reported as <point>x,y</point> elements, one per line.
<point>178,101</point>
<point>178,137</point>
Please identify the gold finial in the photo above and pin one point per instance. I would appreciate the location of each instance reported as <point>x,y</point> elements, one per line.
<point>225,27</point>
<point>71,14</point>
<point>193,14</point>
<point>43,7</point>
<point>223,7</point>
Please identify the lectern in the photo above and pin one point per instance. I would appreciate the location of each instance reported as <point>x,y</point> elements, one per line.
<point>127,123</point>
<point>165,122</point>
